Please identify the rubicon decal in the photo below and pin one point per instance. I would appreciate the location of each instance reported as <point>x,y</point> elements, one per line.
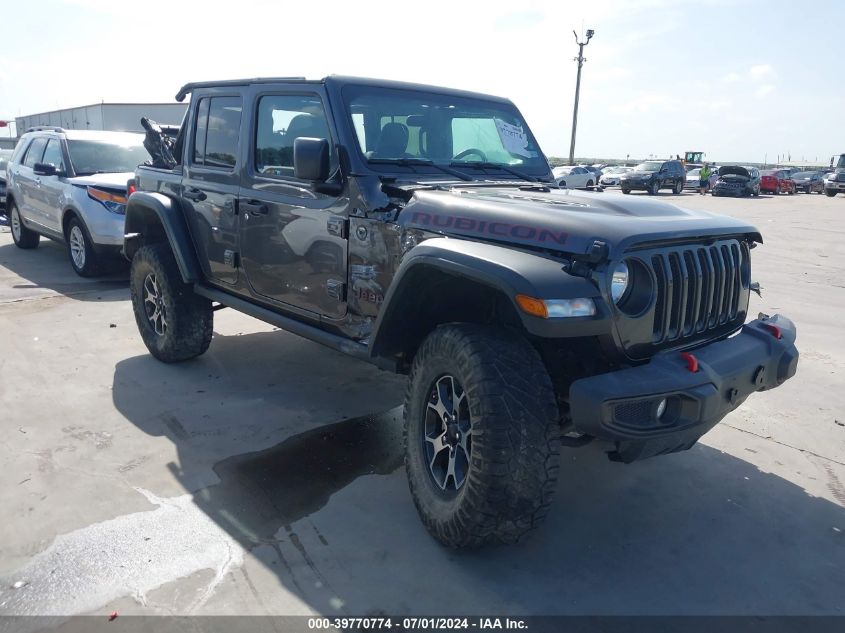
<point>484,227</point>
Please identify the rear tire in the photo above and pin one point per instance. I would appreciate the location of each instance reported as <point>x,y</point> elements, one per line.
<point>495,429</point>
<point>80,250</point>
<point>679,187</point>
<point>22,236</point>
<point>175,323</point>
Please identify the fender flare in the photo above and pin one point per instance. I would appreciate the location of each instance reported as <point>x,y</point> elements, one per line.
<point>145,207</point>
<point>503,269</point>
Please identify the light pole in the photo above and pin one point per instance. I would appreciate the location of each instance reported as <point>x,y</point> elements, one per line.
<point>580,59</point>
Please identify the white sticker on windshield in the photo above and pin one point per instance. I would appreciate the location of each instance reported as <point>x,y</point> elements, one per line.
<point>514,138</point>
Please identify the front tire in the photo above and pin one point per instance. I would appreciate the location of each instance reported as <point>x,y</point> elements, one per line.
<point>175,323</point>
<point>829,193</point>
<point>654,189</point>
<point>22,236</point>
<point>626,191</point>
<point>482,435</point>
<point>80,251</point>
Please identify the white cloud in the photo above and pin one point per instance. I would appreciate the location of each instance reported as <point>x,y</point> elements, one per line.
<point>764,90</point>
<point>642,103</point>
<point>731,77</point>
<point>720,104</point>
<point>761,71</point>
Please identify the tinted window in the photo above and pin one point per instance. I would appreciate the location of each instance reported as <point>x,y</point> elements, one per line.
<point>282,120</point>
<point>53,154</point>
<point>217,131</point>
<point>201,127</point>
<point>33,154</point>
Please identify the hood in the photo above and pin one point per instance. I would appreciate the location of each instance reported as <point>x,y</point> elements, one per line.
<point>733,170</point>
<point>116,180</point>
<point>639,174</point>
<point>561,220</point>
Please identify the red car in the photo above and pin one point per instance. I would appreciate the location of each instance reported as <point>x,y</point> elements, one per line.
<point>776,181</point>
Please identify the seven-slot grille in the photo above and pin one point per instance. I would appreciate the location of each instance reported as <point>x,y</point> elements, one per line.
<point>699,288</point>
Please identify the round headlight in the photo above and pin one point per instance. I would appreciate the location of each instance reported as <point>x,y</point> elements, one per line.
<point>619,282</point>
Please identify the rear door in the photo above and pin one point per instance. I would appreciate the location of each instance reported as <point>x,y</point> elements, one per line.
<point>211,179</point>
<point>293,239</point>
<point>28,183</point>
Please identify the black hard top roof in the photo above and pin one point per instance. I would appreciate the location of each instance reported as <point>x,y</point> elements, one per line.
<point>339,80</point>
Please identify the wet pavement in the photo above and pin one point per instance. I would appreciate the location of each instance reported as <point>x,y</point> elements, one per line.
<point>266,476</point>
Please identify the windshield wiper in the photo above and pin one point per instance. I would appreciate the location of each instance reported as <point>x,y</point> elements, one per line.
<point>425,162</point>
<point>477,164</point>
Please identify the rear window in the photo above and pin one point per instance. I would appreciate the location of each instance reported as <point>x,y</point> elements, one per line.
<point>20,148</point>
<point>217,131</point>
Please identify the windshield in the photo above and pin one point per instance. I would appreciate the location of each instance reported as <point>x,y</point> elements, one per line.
<point>693,173</point>
<point>841,163</point>
<point>617,170</point>
<point>91,157</point>
<point>649,165</point>
<point>395,125</point>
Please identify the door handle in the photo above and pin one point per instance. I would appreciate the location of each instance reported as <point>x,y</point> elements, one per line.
<point>194,194</point>
<point>254,207</point>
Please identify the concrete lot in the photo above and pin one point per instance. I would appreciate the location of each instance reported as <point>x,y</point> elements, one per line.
<point>266,477</point>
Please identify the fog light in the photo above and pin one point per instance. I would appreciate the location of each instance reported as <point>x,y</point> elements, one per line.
<point>661,408</point>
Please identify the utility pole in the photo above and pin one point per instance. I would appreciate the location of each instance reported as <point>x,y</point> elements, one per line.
<point>580,59</point>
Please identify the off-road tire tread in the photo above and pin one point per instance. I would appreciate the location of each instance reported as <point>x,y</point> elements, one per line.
<point>516,435</point>
<point>190,319</point>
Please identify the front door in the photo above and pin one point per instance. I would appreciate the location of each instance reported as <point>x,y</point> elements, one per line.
<point>211,181</point>
<point>50,201</point>
<point>293,239</point>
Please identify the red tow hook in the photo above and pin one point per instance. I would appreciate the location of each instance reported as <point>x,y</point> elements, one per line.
<point>692,361</point>
<point>774,329</point>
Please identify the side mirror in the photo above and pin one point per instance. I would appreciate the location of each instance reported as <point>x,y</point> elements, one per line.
<point>44,169</point>
<point>311,159</point>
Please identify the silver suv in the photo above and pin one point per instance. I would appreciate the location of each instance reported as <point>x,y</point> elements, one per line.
<point>71,186</point>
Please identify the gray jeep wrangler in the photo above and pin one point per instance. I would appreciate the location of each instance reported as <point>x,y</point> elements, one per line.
<point>419,229</point>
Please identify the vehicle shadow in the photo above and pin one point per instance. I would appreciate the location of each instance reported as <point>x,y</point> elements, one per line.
<point>46,268</point>
<point>322,503</point>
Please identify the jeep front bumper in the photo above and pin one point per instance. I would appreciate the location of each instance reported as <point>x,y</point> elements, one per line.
<point>699,388</point>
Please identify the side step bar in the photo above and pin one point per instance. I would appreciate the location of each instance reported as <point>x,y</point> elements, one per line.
<point>339,343</point>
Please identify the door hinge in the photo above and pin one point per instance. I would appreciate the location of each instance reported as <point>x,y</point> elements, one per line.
<point>336,289</point>
<point>338,227</point>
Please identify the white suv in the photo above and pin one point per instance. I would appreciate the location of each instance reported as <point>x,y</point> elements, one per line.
<point>71,186</point>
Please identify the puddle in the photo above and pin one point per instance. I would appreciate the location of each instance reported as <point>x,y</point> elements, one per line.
<point>261,492</point>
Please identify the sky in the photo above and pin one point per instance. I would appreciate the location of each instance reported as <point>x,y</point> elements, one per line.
<point>741,81</point>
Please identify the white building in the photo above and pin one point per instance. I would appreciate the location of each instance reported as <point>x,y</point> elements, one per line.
<point>116,117</point>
